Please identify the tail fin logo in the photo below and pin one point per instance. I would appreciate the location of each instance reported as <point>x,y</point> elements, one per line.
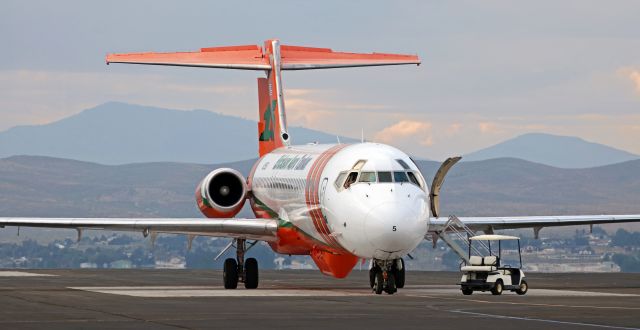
<point>267,131</point>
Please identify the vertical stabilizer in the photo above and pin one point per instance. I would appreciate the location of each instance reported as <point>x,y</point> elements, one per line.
<point>272,127</point>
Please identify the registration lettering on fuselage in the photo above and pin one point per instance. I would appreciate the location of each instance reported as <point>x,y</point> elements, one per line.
<point>292,162</point>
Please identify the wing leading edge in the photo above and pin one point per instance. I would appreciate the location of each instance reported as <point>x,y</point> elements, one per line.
<point>258,229</point>
<point>488,224</point>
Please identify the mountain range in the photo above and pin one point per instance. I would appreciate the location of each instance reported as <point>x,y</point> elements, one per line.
<point>554,150</point>
<point>53,187</point>
<point>119,133</point>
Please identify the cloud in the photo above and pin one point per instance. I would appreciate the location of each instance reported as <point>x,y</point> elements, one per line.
<point>633,75</point>
<point>405,129</point>
<point>488,128</point>
<point>453,129</point>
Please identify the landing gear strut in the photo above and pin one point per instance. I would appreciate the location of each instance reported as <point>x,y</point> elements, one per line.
<point>240,270</point>
<point>386,275</point>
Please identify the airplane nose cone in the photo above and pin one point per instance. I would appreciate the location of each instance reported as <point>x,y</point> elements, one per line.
<point>395,227</point>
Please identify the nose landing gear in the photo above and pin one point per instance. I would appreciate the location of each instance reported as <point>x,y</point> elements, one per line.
<point>240,270</point>
<point>386,275</point>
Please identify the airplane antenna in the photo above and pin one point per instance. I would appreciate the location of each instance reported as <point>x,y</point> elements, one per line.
<point>362,135</point>
<point>338,137</point>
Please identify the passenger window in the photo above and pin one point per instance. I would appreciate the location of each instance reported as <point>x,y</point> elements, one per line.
<point>351,178</point>
<point>340,179</point>
<point>367,177</point>
<point>384,177</point>
<point>413,179</point>
<point>400,177</point>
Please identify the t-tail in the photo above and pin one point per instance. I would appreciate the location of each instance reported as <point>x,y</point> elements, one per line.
<point>273,58</point>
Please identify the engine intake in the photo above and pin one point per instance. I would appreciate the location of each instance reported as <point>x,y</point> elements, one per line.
<point>222,193</point>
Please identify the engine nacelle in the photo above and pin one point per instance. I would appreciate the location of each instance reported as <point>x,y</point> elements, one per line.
<point>222,193</point>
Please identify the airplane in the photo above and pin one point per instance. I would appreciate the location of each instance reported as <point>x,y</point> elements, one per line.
<point>338,203</point>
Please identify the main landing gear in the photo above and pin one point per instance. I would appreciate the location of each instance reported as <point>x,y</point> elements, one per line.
<point>240,270</point>
<point>387,275</point>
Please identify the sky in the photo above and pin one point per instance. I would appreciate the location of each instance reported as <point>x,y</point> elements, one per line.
<point>491,70</point>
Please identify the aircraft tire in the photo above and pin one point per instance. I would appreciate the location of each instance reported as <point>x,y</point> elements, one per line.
<point>399,275</point>
<point>378,286</point>
<point>230,274</point>
<point>251,273</point>
<point>390,288</point>
<point>372,275</point>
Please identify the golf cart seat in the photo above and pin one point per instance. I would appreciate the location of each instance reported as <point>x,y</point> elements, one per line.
<point>480,264</point>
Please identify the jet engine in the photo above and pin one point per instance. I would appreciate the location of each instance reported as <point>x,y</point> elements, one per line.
<point>221,194</point>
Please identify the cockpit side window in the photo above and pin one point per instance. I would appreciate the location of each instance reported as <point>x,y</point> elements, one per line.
<point>340,180</point>
<point>384,177</point>
<point>367,177</point>
<point>400,177</point>
<point>358,165</point>
<point>351,178</point>
<point>413,179</point>
<point>403,164</point>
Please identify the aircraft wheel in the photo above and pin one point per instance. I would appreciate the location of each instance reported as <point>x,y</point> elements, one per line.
<point>230,274</point>
<point>390,288</point>
<point>372,275</point>
<point>524,287</point>
<point>399,275</point>
<point>467,291</point>
<point>251,273</point>
<point>378,284</point>
<point>497,288</point>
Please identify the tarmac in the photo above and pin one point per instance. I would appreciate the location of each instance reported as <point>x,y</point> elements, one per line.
<point>195,299</point>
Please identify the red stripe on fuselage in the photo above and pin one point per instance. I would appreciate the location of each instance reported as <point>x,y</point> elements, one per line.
<point>316,196</point>
<point>312,196</point>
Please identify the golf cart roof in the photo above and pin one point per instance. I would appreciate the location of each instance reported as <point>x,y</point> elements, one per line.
<point>493,237</point>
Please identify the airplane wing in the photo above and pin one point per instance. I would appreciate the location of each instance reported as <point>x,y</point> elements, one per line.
<point>258,229</point>
<point>488,224</point>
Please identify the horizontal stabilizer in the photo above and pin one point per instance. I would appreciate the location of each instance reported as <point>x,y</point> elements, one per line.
<point>248,57</point>
<point>305,58</point>
<point>254,57</point>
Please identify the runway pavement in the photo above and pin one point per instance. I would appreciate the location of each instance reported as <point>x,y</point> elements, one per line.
<point>166,299</point>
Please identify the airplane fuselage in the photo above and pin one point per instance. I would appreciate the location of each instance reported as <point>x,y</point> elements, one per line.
<point>368,200</point>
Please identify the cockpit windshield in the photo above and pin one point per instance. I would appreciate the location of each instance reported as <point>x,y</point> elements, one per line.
<point>384,177</point>
<point>348,178</point>
<point>400,176</point>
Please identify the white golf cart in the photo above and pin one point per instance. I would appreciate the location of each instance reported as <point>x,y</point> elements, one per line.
<point>488,274</point>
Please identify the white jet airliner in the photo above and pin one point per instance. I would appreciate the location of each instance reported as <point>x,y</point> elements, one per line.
<point>338,203</point>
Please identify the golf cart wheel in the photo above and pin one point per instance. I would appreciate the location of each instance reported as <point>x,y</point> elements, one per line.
<point>467,291</point>
<point>497,288</point>
<point>524,287</point>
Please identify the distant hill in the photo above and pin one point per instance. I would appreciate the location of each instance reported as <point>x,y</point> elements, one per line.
<point>50,187</point>
<point>554,150</point>
<point>119,133</point>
